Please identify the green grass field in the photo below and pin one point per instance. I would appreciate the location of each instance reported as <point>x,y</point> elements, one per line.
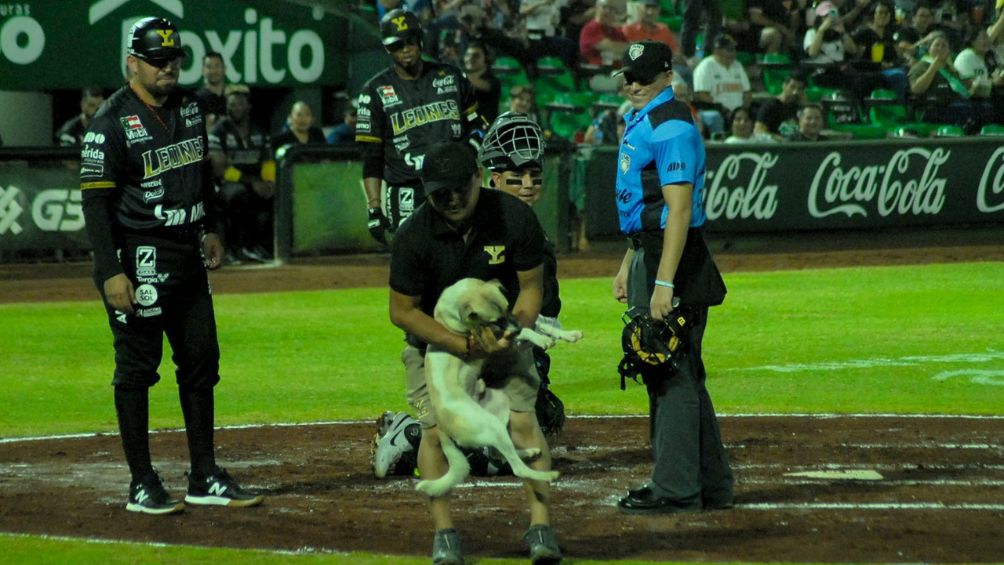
<point>915,339</point>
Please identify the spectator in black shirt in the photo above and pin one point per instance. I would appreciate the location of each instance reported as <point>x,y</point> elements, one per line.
<point>487,88</point>
<point>778,117</point>
<point>300,127</point>
<point>810,123</point>
<point>72,132</point>
<point>212,93</point>
<point>345,132</point>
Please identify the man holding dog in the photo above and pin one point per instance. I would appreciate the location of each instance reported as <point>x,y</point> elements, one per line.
<point>464,231</point>
<point>668,270</point>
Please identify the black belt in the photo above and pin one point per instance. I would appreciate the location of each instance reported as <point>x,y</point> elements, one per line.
<point>181,234</point>
<point>638,239</point>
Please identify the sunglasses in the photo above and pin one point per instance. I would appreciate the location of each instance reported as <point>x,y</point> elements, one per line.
<point>161,63</point>
<point>399,45</point>
<point>630,77</point>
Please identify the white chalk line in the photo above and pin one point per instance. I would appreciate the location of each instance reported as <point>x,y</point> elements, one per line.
<point>905,361</point>
<point>877,482</point>
<point>881,466</point>
<point>802,415</point>
<point>870,506</point>
<point>924,445</point>
<point>105,541</point>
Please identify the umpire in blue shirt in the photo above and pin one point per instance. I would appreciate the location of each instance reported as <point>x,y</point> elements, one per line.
<point>660,186</point>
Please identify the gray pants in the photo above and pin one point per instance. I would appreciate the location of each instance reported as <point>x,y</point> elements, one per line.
<point>691,466</point>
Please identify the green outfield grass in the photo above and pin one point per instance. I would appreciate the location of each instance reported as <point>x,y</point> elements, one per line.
<point>913,339</point>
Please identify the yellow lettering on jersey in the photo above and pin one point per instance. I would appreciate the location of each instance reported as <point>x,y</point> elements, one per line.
<point>496,252</point>
<point>165,37</point>
<point>172,156</point>
<point>425,114</point>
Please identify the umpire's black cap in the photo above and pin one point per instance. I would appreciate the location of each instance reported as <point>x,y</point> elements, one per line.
<point>399,25</point>
<point>644,60</point>
<point>155,39</point>
<point>448,164</point>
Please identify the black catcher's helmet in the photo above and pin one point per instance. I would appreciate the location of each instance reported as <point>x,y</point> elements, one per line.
<point>155,39</point>
<point>513,141</point>
<point>400,25</point>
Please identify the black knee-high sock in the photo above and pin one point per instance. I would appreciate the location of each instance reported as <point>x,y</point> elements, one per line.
<point>199,410</point>
<point>133,409</point>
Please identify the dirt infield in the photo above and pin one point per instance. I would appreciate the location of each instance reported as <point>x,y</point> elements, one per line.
<point>935,493</point>
<point>879,489</point>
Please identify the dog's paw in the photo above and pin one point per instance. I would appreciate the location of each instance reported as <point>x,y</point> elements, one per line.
<point>528,454</point>
<point>571,336</point>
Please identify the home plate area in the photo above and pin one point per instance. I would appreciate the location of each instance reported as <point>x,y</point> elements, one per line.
<point>810,488</point>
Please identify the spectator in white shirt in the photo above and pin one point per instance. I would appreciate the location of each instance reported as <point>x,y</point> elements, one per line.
<point>721,80</point>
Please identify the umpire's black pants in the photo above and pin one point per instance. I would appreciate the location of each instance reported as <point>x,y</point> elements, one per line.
<point>691,466</point>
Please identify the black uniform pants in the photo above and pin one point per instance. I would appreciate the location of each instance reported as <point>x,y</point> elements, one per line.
<point>172,291</point>
<point>401,201</point>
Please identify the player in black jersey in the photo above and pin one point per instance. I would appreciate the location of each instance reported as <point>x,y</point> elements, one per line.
<point>244,168</point>
<point>403,111</point>
<point>146,183</point>
<point>72,132</point>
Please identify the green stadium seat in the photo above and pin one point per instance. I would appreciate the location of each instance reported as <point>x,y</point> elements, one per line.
<point>949,131</point>
<point>776,68</point>
<point>992,129</point>
<point>568,113</point>
<point>817,93</point>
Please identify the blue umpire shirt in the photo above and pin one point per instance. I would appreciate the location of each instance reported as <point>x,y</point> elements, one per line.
<point>661,146</point>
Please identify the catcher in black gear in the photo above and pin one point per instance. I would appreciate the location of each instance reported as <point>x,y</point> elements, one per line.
<point>513,150</point>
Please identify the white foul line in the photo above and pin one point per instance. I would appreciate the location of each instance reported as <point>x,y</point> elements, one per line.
<point>869,506</point>
<point>905,361</point>
<point>813,416</point>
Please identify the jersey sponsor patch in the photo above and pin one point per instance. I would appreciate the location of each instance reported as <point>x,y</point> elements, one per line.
<point>625,162</point>
<point>146,294</point>
<point>387,95</point>
<point>135,131</point>
<point>146,261</point>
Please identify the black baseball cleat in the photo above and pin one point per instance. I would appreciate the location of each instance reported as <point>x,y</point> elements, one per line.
<point>220,489</point>
<point>149,497</point>
<point>543,546</point>
<point>645,501</point>
<point>446,548</point>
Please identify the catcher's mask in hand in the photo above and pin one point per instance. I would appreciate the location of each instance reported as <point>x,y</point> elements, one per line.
<point>650,345</point>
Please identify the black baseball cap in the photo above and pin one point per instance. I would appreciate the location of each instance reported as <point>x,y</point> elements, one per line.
<point>725,41</point>
<point>448,165</point>
<point>646,59</point>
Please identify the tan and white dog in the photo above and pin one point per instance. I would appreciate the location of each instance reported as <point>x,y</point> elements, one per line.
<point>468,414</point>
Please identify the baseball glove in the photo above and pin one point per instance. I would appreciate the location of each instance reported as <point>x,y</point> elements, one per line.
<point>651,348</point>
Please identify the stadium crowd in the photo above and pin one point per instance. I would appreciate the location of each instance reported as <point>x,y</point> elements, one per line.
<point>752,71</point>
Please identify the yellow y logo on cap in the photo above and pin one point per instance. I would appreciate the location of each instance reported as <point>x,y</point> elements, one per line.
<point>165,37</point>
<point>400,23</point>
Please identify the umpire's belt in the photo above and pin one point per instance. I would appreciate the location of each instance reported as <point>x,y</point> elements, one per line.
<point>642,239</point>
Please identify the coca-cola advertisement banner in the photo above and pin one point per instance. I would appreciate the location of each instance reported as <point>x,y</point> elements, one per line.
<point>893,183</point>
